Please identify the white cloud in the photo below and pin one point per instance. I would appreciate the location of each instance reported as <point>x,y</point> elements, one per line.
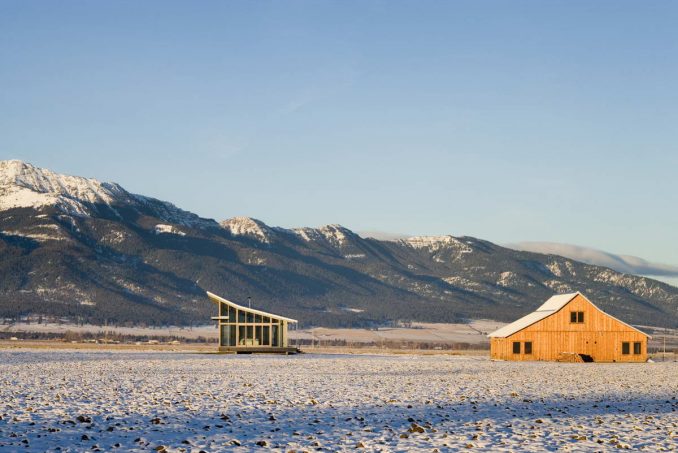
<point>670,280</point>
<point>621,263</point>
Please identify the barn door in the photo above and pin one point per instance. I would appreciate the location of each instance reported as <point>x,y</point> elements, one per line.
<point>593,346</point>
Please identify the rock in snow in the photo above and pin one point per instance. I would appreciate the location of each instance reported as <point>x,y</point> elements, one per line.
<point>141,401</point>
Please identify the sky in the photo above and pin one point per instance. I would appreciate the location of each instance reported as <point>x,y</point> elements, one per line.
<point>509,121</point>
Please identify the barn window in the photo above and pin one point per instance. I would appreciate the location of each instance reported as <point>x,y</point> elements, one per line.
<point>576,317</point>
<point>637,347</point>
<point>528,347</point>
<point>516,347</point>
<point>626,348</point>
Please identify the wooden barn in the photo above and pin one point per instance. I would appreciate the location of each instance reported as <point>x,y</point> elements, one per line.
<point>569,327</point>
<point>246,330</point>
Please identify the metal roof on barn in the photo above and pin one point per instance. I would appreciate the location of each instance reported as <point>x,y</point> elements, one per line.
<point>551,306</point>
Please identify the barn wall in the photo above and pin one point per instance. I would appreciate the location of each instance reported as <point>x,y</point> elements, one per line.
<point>599,336</point>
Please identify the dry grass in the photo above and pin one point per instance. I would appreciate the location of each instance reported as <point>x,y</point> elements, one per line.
<point>204,348</point>
<point>63,346</point>
<point>211,348</point>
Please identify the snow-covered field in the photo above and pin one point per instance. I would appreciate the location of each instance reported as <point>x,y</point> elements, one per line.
<point>77,401</point>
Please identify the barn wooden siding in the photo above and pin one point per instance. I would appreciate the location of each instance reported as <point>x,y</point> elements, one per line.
<point>599,336</point>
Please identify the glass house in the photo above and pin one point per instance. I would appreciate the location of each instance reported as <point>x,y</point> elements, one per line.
<point>246,330</point>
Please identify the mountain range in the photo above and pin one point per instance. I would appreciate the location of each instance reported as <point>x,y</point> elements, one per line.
<point>86,250</point>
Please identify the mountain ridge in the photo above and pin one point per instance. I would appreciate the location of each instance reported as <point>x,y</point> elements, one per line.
<point>127,258</point>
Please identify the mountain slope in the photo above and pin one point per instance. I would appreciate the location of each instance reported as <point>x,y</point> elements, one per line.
<point>92,251</point>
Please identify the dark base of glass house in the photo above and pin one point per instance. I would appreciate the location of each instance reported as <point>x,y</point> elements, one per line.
<point>258,350</point>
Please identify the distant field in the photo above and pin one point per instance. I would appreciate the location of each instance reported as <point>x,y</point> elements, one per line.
<point>472,334</point>
<point>209,331</point>
<point>150,401</point>
<point>475,333</point>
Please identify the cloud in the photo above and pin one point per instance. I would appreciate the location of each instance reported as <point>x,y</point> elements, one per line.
<point>673,281</point>
<point>620,263</point>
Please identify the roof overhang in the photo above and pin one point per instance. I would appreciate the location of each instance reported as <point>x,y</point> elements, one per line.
<point>218,299</point>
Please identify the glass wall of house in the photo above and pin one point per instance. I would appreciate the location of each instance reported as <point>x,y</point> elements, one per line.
<point>247,329</point>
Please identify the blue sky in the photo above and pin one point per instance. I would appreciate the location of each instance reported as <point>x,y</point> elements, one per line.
<point>509,121</point>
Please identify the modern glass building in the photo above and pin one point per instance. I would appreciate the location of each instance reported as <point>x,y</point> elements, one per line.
<point>246,330</point>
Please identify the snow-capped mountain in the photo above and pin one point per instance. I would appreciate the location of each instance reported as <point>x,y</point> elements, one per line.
<point>24,186</point>
<point>335,235</point>
<point>79,248</point>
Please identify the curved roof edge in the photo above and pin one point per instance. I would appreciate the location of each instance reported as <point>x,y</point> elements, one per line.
<point>214,298</point>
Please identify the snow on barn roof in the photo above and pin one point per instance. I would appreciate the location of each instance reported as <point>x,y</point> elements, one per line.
<point>552,305</point>
<point>555,303</point>
<point>521,323</point>
<point>549,307</point>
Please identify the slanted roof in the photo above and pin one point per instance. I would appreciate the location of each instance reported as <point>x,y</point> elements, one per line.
<point>555,303</point>
<point>217,299</point>
<point>520,324</point>
<point>551,306</point>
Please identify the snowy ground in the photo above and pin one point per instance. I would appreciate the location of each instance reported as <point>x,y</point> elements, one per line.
<point>77,401</point>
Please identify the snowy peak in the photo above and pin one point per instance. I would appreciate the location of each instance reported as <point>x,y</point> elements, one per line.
<point>434,242</point>
<point>249,227</point>
<point>441,248</point>
<point>326,273</point>
<point>334,234</point>
<point>40,180</point>
<point>23,185</point>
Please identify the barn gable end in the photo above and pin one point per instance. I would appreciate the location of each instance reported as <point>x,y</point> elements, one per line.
<point>569,326</point>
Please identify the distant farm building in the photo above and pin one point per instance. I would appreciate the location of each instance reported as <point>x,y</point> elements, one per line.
<point>569,327</point>
<point>246,330</point>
